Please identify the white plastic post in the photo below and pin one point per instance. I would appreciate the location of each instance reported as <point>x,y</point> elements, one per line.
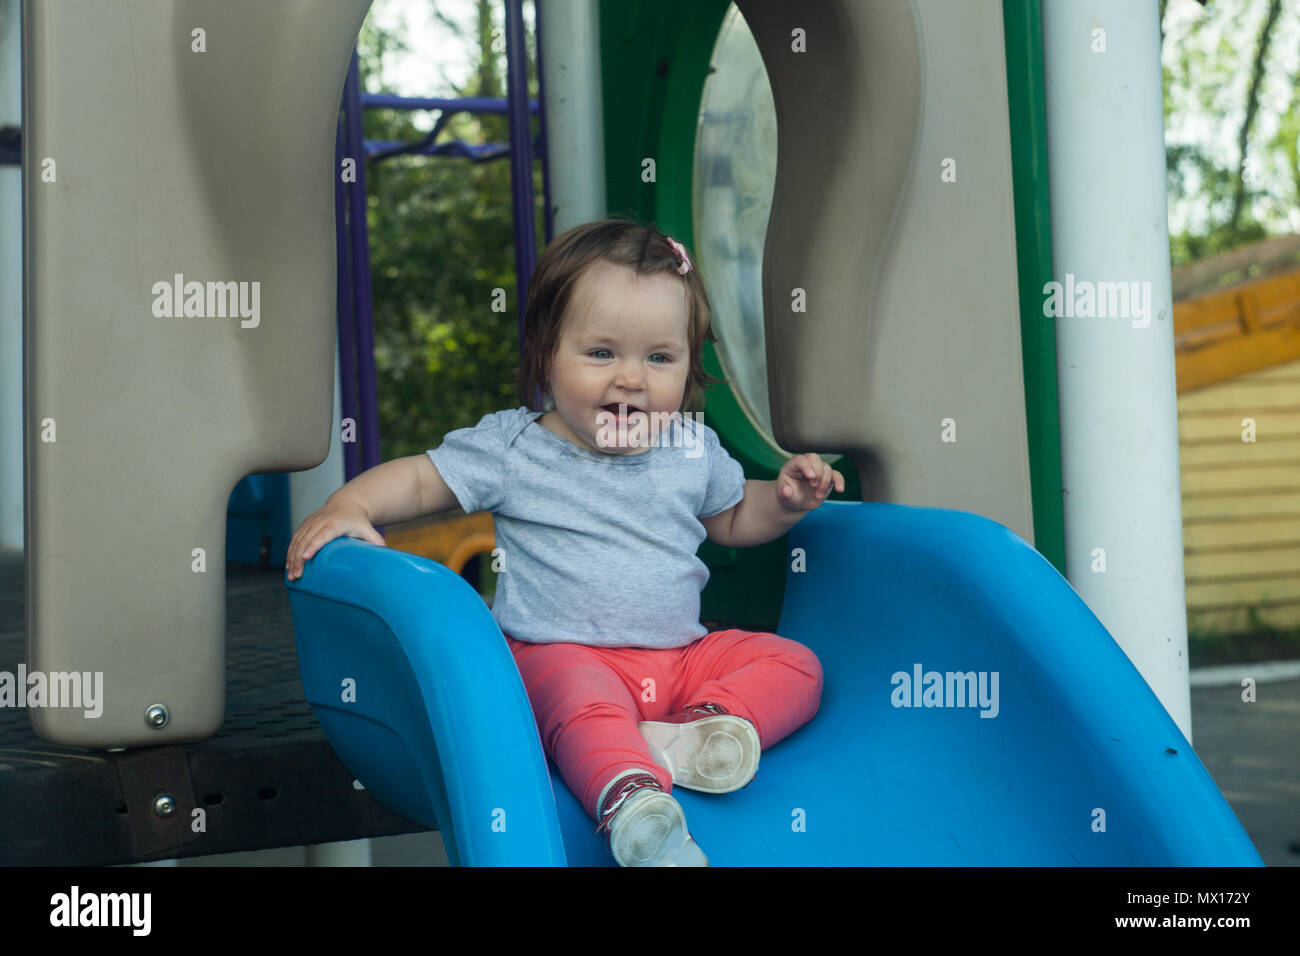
<point>1115,360</point>
<point>11,289</point>
<point>309,489</point>
<point>347,853</point>
<point>575,131</point>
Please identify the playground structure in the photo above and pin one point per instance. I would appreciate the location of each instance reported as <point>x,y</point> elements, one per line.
<point>1085,759</point>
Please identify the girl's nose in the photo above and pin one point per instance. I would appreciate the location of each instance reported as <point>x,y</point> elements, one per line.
<point>630,376</point>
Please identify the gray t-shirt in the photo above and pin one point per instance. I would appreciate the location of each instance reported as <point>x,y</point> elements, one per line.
<point>596,549</point>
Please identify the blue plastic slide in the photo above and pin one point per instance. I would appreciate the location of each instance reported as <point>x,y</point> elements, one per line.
<point>975,712</point>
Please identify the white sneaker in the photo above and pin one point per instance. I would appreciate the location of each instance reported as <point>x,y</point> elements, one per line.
<point>704,748</point>
<point>650,830</point>
<point>645,826</point>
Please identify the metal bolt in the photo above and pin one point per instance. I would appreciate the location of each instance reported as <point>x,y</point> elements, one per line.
<point>164,805</point>
<point>157,716</point>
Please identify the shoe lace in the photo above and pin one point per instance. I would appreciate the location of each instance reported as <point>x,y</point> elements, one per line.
<point>707,708</point>
<point>621,797</point>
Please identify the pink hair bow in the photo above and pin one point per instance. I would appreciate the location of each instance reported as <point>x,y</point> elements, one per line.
<point>678,248</point>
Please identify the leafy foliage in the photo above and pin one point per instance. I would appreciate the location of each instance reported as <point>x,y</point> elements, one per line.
<point>1232,120</point>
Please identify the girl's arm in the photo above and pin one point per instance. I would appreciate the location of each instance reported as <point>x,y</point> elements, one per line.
<point>390,493</point>
<point>398,491</point>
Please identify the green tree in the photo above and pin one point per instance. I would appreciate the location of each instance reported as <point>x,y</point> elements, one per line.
<point>1216,68</point>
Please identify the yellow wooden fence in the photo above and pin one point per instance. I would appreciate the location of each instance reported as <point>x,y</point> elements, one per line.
<point>1238,359</point>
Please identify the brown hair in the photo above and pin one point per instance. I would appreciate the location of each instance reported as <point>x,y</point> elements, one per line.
<point>566,260</point>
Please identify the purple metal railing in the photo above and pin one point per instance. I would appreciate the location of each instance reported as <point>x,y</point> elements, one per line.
<point>521,160</point>
<point>355,315</point>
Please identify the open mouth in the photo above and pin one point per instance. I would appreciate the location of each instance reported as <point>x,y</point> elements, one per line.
<point>615,408</point>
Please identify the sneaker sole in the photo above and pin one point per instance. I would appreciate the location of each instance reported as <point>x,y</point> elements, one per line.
<point>650,830</point>
<point>713,754</point>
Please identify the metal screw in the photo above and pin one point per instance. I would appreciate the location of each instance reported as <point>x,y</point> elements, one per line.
<point>164,805</point>
<point>157,716</point>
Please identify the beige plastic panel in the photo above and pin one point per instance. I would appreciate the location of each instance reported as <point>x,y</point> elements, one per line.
<point>910,282</point>
<point>218,166</point>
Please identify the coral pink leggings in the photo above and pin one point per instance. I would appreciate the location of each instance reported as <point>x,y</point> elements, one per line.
<point>588,700</point>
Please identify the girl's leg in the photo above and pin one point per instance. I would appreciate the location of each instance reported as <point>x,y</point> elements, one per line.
<point>586,715</point>
<point>773,682</point>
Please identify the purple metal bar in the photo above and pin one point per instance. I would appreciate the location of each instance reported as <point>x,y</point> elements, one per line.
<point>347,316</point>
<point>456,148</point>
<point>479,104</point>
<point>521,155</point>
<point>368,420</point>
<point>541,123</point>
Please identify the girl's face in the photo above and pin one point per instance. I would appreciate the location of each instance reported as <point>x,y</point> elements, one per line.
<point>623,340</point>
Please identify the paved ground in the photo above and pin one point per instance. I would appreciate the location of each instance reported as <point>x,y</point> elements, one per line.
<point>1252,750</point>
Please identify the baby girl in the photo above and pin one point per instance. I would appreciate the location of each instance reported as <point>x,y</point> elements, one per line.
<point>602,492</point>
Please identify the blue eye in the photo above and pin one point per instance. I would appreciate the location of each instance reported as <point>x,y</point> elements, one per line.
<point>596,353</point>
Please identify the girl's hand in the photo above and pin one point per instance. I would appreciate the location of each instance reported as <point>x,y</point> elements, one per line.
<point>804,482</point>
<point>324,525</point>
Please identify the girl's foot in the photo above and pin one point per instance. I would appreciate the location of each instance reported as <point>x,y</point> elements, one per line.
<point>645,826</point>
<point>705,748</point>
